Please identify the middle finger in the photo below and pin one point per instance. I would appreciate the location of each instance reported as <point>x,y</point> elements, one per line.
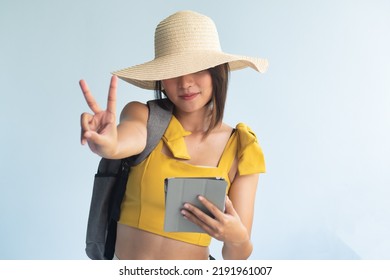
<point>89,97</point>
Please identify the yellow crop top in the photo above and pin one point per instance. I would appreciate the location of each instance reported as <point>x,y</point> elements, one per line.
<point>143,205</point>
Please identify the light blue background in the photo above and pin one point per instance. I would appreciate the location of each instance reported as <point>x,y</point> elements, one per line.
<point>321,112</point>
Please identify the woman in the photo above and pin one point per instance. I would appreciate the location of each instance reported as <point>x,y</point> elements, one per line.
<point>191,71</point>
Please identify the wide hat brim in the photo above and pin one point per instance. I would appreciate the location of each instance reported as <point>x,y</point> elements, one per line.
<point>185,42</point>
<point>170,66</point>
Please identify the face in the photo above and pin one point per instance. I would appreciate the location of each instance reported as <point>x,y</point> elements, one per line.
<point>190,92</point>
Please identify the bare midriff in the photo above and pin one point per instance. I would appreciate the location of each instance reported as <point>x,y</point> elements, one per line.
<point>136,244</point>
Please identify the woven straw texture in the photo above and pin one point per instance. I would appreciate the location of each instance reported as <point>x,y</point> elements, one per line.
<point>185,42</point>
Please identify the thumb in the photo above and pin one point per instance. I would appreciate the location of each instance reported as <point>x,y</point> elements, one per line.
<point>95,142</point>
<point>93,137</point>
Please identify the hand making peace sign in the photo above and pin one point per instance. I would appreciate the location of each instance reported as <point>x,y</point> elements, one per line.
<point>99,129</point>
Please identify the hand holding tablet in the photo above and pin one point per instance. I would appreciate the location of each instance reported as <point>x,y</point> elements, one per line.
<point>181,190</point>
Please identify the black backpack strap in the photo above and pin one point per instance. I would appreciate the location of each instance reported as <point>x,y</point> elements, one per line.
<point>160,114</point>
<point>158,120</point>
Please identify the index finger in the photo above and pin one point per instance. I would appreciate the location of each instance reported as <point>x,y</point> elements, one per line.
<point>111,101</point>
<point>89,97</point>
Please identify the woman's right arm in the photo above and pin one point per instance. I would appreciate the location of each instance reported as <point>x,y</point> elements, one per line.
<point>103,136</point>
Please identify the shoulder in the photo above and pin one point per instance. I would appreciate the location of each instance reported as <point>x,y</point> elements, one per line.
<point>245,133</point>
<point>135,111</point>
<point>225,128</point>
<point>220,135</point>
<point>249,153</point>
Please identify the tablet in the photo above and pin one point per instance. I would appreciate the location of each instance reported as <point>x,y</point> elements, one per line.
<point>181,190</point>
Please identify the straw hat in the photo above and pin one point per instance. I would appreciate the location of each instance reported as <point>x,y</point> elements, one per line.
<point>185,42</point>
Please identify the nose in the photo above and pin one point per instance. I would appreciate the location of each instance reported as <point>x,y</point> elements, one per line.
<point>186,81</point>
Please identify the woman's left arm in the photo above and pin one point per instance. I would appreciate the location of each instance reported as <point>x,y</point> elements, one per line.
<point>242,195</point>
<point>233,227</point>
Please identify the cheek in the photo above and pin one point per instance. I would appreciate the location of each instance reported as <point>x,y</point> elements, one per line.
<point>208,82</point>
<point>168,86</point>
<point>169,83</point>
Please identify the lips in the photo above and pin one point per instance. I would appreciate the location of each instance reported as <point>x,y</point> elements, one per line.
<point>189,96</point>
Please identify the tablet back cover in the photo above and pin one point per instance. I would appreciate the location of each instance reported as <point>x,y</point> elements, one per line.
<point>181,190</point>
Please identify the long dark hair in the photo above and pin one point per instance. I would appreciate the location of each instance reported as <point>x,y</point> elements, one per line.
<point>220,79</point>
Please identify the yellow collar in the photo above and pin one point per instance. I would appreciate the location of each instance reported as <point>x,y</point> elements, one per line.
<point>174,139</point>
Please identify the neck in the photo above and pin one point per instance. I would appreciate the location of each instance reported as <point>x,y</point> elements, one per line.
<point>195,122</point>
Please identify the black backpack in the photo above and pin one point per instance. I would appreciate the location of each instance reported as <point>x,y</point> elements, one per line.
<point>110,185</point>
